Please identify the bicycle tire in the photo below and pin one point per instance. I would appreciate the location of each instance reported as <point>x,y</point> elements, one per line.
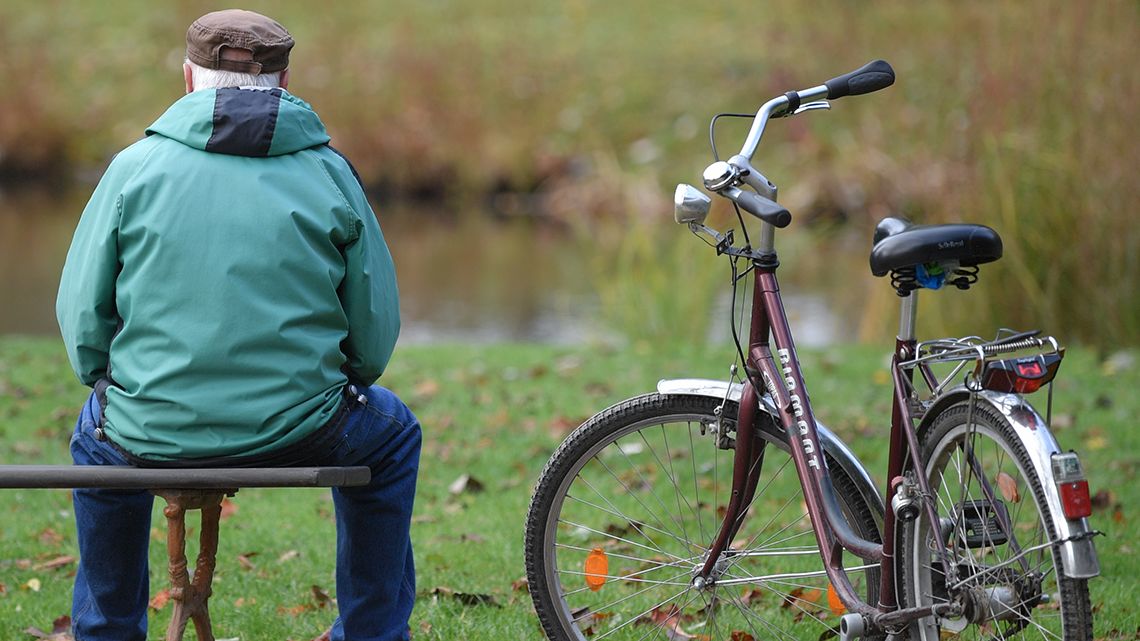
<point>971,519</point>
<point>633,435</point>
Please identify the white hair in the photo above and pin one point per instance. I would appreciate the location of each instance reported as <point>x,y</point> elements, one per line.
<point>218,78</point>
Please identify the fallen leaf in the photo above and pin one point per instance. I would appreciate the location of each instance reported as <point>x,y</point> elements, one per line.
<point>466,598</point>
<point>60,630</point>
<point>159,600</point>
<point>1096,442</point>
<point>668,619</point>
<point>295,610</point>
<point>33,585</point>
<point>751,595</point>
<point>50,537</point>
<point>560,426</point>
<point>739,635</point>
<point>1120,361</point>
<point>288,555</point>
<point>800,596</point>
<point>56,563</point>
<point>1103,499</point>
<point>322,596</point>
<point>245,562</point>
<point>1008,486</point>
<point>426,389</point>
<point>518,585</point>
<point>229,508</point>
<point>465,483</point>
<point>585,619</point>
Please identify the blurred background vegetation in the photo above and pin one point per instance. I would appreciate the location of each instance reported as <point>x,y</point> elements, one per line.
<point>566,124</point>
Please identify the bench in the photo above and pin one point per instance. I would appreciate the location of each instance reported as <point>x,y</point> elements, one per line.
<point>183,489</point>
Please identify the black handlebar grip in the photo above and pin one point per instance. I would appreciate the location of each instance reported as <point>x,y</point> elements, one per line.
<point>766,210</point>
<point>873,76</point>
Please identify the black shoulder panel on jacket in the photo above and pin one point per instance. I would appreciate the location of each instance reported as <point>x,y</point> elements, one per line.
<point>244,121</point>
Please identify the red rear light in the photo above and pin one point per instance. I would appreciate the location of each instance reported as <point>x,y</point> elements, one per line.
<point>1022,375</point>
<point>1071,485</point>
<point>1075,499</point>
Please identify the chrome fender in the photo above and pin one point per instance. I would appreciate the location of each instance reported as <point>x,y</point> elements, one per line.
<point>1078,554</point>
<point>831,443</point>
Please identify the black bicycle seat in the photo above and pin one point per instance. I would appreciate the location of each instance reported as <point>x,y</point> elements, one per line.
<point>900,243</point>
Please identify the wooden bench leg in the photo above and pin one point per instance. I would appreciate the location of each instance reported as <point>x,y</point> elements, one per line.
<point>190,595</point>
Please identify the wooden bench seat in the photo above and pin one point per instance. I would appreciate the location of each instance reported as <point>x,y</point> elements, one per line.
<point>183,489</point>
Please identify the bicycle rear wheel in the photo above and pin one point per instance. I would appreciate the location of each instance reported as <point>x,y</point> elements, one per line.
<point>626,509</point>
<point>999,534</point>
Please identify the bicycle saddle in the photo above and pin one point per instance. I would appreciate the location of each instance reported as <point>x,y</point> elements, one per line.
<point>900,244</point>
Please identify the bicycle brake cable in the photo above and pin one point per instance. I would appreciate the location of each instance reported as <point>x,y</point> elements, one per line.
<point>712,129</point>
<point>716,157</point>
<point>732,314</point>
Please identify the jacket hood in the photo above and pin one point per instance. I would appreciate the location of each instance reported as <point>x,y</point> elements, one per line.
<point>242,122</point>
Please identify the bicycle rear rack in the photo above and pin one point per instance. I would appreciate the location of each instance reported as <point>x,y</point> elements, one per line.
<point>1036,362</point>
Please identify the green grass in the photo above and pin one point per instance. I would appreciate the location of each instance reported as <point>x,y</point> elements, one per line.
<point>495,413</point>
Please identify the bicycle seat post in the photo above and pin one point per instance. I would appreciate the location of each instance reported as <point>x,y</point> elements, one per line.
<point>908,317</point>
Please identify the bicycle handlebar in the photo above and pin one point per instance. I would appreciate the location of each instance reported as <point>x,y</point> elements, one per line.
<point>766,210</point>
<point>724,178</point>
<point>873,76</point>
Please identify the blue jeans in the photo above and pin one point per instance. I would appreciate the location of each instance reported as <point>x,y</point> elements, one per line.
<point>375,574</point>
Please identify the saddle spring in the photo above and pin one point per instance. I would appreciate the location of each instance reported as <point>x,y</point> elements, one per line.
<point>904,280</point>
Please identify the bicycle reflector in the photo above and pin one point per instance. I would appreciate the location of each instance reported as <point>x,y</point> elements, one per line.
<point>597,569</point>
<point>1023,375</point>
<point>1071,485</point>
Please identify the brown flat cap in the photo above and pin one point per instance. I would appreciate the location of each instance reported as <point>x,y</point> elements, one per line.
<point>264,37</point>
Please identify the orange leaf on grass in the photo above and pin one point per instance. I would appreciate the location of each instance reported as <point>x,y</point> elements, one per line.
<point>158,601</point>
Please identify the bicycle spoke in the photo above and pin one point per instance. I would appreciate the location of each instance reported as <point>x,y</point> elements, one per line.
<point>618,538</point>
<point>625,517</point>
<point>1008,558</point>
<point>628,490</point>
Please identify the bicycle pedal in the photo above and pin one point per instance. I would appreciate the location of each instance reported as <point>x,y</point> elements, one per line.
<point>981,523</point>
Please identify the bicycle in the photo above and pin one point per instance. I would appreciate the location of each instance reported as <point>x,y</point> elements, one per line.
<point>724,510</point>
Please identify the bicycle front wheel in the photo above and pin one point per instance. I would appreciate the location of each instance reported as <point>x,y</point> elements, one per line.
<point>625,512</point>
<point>1003,563</point>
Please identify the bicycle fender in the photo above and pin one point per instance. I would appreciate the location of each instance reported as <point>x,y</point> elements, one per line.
<point>831,443</point>
<point>1078,554</point>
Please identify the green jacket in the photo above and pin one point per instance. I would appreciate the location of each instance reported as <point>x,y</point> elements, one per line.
<point>229,278</point>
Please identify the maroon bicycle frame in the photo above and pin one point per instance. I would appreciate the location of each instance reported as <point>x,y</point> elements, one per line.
<point>781,376</point>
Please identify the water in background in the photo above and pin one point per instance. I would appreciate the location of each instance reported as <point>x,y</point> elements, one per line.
<point>462,278</point>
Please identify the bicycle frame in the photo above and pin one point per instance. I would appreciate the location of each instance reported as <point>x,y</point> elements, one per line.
<point>781,376</point>
<point>785,383</point>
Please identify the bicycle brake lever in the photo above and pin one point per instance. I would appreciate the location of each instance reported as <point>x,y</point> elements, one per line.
<point>811,106</point>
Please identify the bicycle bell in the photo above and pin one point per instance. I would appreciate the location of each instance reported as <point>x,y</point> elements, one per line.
<point>719,175</point>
